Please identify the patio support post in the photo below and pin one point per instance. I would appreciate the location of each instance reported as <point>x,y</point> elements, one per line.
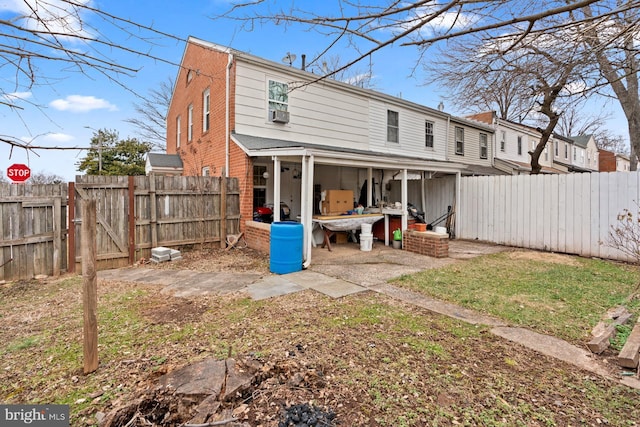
<point>276,188</point>
<point>308,226</point>
<point>304,205</point>
<point>405,196</point>
<point>456,209</point>
<point>369,186</point>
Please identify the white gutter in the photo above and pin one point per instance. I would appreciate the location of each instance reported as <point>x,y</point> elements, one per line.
<point>227,115</point>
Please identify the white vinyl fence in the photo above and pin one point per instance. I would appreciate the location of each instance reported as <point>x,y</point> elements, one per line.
<point>570,213</point>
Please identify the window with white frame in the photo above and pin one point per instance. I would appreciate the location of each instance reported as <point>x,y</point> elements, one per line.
<point>519,145</point>
<point>589,158</point>
<point>178,132</point>
<point>546,152</point>
<point>582,157</point>
<point>556,143</point>
<point>566,151</point>
<point>428,134</point>
<point>190,123</point>
<point>205,171</point>
<point>206,110</point>
<point>503,140</point>
<point>460,141</point>
<point>393,126</point>
<point>484,147</point>
<point>575,154</point>
<point>278,96</point>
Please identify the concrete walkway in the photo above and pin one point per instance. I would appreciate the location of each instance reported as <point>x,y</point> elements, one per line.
<point>346,271</point>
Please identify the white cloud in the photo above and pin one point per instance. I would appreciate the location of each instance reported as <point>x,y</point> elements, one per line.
<point>57,16</point>
<point>82,104</point>
<point>58,137</point>
<point>16,95</point>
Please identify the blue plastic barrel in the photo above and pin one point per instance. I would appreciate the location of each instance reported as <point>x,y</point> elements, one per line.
<point>286,247</point>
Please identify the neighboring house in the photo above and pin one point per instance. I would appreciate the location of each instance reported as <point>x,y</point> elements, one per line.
<point>163,164</point>
<point>288,136</point>
<point>585,152</point>
<point>612,162</point>
<point>512,144</point>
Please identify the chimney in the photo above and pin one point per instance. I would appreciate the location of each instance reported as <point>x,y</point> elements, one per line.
<point>304,61</point>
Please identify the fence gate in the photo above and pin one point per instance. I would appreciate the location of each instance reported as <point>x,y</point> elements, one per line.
<point>33,230</point>
<point>114,207</point>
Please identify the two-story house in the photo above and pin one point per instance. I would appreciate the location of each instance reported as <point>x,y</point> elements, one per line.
<point>288,135</point>
<point>585,152</point>
<point>512,144</point>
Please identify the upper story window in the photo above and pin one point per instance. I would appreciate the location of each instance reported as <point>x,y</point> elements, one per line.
<point>566,151</point>
<point>428,134</point>
<point>484,148</point>
<point>205,171</point>
<point>178,132</point>
<point>206,110</point>
<point>575,153</point>
<point>546,152</point>
<point>190,75</point>
<point>556,143</point>
<point>190,123</point>
<point>519,145</point>
<point>503,140</point>
<point>278,96</point>
<point>460,141</point>
<point>393,126</point>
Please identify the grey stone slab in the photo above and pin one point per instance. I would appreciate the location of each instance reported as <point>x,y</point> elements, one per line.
<point>308,278</point>
<point>338,288</point>
<point>201,378</point>
<point>272,286</point>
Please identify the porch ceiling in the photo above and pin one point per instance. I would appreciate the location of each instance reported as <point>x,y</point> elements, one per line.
<point>256,146</point>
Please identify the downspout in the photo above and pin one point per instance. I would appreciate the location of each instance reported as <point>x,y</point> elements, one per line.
<point>227,115</point>
<point>309,212</point>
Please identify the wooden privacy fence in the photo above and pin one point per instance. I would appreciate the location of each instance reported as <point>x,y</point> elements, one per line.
<point>33,229</point>
<point>134,214</point>
<point>570,213</point>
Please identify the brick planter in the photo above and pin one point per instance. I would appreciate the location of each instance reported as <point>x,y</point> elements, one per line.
<point>426,243</point>
<point>258,235</point>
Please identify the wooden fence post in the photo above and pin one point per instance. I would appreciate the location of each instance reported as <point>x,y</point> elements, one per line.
<point>57,236</point>
<point>90,285</point>
<point>71,241</point>
<point>132,222</point>
<point>223,212</point>
<point>153,213</point>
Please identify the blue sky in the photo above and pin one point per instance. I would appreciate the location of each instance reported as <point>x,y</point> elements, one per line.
<point>72,104</point>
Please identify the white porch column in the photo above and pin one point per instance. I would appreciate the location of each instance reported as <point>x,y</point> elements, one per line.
<point>405,196</point>
<point>304,205</point>
<point>456,208</point>
<point>369,187</point>
<point>423,189</point>
<point>307,219</point>
<point>276,189</point>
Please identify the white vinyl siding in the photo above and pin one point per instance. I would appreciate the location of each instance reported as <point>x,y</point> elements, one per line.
<point>319,114</point>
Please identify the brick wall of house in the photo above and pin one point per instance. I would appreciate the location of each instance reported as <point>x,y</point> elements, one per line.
<point>426,243</point>
<point>204,69</point>
<point>258,235</point>
<point>607,161</point>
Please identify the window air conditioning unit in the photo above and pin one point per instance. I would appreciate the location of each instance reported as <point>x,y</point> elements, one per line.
<point>278,116</point>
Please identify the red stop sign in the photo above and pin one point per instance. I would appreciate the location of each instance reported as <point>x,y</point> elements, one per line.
<point>18,172</point>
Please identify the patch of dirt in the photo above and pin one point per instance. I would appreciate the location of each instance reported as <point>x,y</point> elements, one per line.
<point>544,257</point>
<point>176,311</point>
<point>214,259</point>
